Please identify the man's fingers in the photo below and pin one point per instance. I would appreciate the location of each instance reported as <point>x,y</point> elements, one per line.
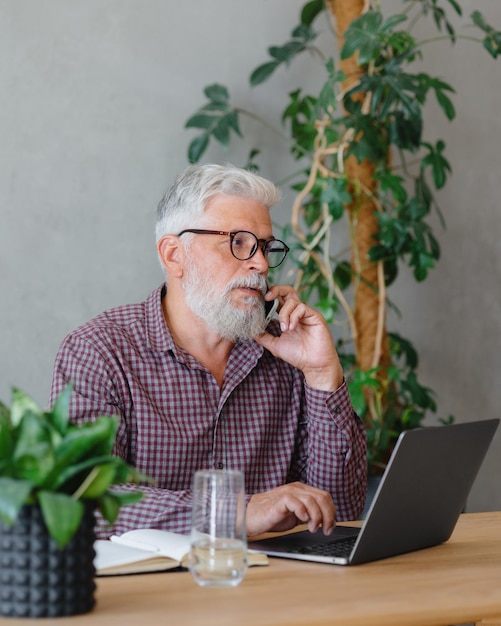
<point>306,509</point>
<point>317,505</point>
<point>292,312</point>
<point>284,292</point>
<point>283,507</point>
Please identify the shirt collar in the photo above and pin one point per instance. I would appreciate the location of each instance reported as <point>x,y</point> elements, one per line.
<point>159,335</point>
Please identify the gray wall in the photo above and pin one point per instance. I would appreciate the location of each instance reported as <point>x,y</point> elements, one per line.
<point>93,98</point>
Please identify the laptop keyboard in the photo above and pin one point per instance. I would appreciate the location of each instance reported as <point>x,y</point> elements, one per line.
<point>341,548</point>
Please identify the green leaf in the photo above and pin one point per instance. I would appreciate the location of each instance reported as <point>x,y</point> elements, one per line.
<point>358,382</point>
<point>478,20</point>
<point>263,72</point>
<point>217,93</point>
<point>96,437</point>
<point>109,506</point>
<point>310,11</point>
<point>438,163</point>
<point>401,347</point>
<point>303,33</point>
<point>440,18</point>
<point>62,515</point>
<point>59,415</point>
<point>492,40</point>
<point>343,274</point>
<point>33,437</point>
<point>221,132</point>
<point>391,182</point>
<point>455,5</point>
<point>36,465</point>
<point>328,309</point>
<point>4,412</point>
<point>251,164</point>
<point>423,194</point>
<point>197,148</point>
<point>421,262</point>
<point>445,104</point>
<point>327,101</point>
<point>283,53</point>
<point>390,23</point>
<point>370,143</point>
<point>13,495</point>
<point>200,120</point>
<point>232,120</point>
<point>362,36</point>
<point>443,100</point>
<point>214,107</point>
<point>110,503</point>
<point>71,477</point>
<point>97,481</point>
<point>127,474</point>
<point>22,403</point>
<point>6,443</point>
<point>404,133</point>
<point>334,194</point>
<point>127,497</point>
<point>301,36</point>
<point>88,443</point>
<point>420,395</point>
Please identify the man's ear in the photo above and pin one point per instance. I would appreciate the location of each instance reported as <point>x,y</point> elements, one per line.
<point>171,252</point>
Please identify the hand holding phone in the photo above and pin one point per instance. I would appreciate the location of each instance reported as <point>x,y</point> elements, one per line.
<point>270,307</point>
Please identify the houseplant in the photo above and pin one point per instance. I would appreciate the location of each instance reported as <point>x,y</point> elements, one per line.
<point>53,475</point>
<point>361,155</point>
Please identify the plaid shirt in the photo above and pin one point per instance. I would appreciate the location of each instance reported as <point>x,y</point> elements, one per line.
<point>174,418</point>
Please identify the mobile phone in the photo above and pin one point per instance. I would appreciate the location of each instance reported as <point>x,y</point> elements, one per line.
<point>270,308</point>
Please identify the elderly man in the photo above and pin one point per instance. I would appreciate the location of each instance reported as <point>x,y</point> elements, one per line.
<point>200,379</point>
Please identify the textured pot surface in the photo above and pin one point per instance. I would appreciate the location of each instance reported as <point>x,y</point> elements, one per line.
<point>37,579</point>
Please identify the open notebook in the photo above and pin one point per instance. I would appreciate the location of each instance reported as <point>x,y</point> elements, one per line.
<point>148,550</point>
<point>421,495</point>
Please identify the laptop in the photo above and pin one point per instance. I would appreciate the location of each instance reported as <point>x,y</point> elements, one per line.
<point>417,504</point>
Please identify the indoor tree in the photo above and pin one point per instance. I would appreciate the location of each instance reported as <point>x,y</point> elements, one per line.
<point>363,156</point>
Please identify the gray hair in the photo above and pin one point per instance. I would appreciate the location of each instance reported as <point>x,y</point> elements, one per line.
<point>187,199</point>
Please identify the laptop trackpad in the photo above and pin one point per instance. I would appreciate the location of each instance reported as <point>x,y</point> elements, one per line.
<point>304,538</point>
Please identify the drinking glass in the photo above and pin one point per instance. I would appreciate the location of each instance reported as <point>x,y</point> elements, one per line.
<point>218,556</point>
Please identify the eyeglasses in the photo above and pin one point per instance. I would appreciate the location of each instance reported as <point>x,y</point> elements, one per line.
<point>244,245</point>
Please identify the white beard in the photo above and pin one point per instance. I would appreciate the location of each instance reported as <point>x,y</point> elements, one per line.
<point>217,310</point>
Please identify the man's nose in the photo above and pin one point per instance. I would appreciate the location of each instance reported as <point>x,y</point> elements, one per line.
<point>258,261</point>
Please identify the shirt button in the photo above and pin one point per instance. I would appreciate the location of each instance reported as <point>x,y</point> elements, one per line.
<point>337,409</point>
<point>220,465</point>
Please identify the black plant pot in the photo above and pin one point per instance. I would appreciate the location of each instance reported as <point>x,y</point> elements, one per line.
<point>37,579</point>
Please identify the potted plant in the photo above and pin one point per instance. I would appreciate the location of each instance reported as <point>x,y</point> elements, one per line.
<point>53,475</point>
<point>360,155</point>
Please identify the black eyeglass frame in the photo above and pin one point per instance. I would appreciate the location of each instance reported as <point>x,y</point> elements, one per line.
<point>262,243</point>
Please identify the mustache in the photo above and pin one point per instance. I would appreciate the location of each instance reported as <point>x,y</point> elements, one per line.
<point>254,281</point>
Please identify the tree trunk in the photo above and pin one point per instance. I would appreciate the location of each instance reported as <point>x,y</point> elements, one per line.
<point>369,312</point>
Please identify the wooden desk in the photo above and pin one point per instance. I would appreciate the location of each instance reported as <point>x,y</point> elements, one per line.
<point>454,583</point>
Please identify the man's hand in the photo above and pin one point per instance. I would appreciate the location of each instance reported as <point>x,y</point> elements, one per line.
<point>287,506</point>
<point>305,342</point>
